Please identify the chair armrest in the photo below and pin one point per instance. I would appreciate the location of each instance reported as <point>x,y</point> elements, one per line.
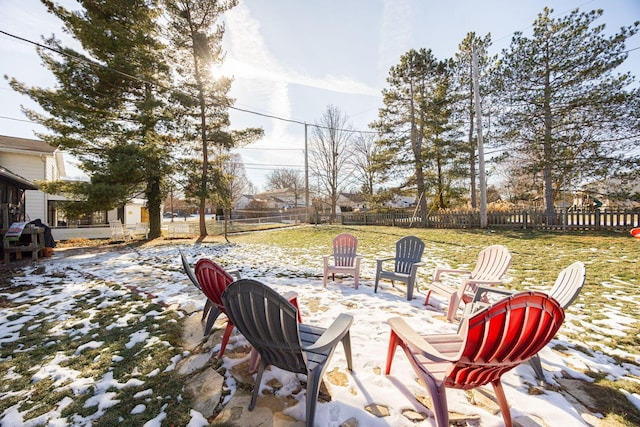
<point>483,290</point>
<point>329,338</point>
<point>414,268</point>
<point>439,271</point>
<point>235,273</point>
<point>412,339</point>
<point>380,261</point>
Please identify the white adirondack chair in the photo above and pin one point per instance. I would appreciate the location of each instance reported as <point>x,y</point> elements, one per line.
<point>492,264</point>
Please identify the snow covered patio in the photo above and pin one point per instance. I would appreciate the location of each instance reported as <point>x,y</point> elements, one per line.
<point>95,281</point>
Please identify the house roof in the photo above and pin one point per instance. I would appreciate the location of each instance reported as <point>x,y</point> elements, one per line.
<point>354,197</point>
<point>11,143</point>
<point>15,179</point>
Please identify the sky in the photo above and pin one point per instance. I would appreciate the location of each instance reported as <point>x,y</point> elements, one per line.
<point>85,276</point>
<point>292,59</point>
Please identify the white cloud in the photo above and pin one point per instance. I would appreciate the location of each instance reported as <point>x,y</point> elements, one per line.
<point>396,32</point>
<point>248,57</point>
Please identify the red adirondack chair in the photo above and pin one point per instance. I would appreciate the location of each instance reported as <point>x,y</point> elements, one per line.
<point>213,280</point>
<point>490,343</point>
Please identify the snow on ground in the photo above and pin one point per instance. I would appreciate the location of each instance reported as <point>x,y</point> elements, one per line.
<point>158,272</point>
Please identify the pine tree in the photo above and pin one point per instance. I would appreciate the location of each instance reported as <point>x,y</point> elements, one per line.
<point>203,101</point>
<point>418,139</point>
<point>568,116</point>
<point>107,107</point>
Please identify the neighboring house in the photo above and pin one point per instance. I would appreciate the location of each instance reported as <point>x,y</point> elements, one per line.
<point>38,161</point>
<point>12,196</point>
<point>601,194</point>
<point>243,201</point>
<point>399,202</point>
<point>282,198</point>
<point>348,202</point>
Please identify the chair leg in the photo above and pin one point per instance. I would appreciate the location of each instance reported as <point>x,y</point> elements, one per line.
<point>356,279</point>
<point>375,288</point>
<point>314,378</point>
<point>225,338</point>
<point>254,360</point>
<point>346,345</point>
<point>537,368</point>
<point>439,399</point>
<point>207,308</point>
<point>256,386</point>
<point>410,285</point>
<point>502,402</point>
<point>393,344</point>
<point>454,302</point>
<point>214,312</point>
<point>426,299</point>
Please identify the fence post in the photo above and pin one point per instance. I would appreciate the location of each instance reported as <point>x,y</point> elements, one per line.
<point>524,219</point>
<point>597,219</point>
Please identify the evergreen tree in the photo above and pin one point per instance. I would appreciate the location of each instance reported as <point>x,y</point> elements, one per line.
<point>569,117</point>
<point>107,108</point>
<point>417,141</point>
<point>203,101</point>
<point>465,105</point>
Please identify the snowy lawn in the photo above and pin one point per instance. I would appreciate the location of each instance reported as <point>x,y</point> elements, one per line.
<point>93,338</point>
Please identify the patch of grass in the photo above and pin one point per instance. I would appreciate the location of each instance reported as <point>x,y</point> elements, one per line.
<point>612,402</point>
<point>52,342</point>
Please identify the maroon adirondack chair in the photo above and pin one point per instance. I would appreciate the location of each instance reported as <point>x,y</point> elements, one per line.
<point>213,280</point>
<point>490,343</point>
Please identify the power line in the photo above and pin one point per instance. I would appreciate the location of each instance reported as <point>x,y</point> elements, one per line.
<point>138,79</point>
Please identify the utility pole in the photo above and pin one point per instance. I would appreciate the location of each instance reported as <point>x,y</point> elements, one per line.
<point>306,170</point>
<point>481,172</point>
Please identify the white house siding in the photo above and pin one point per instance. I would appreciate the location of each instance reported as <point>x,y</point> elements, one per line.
<point>32,167</point>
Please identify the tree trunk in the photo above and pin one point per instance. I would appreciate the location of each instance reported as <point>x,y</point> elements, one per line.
<point>472,150</point>
<point>154,203</point>
<point>548,151</point>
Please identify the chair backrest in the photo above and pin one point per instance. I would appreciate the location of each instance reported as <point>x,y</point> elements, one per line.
<point>268,321</point>
<point>569,284</point>
<point>213,280</point>
<point>503,335</point>
<point>408,251</point>
<point>493,262</point>
<point>345,248</point>
<point>188,270</point>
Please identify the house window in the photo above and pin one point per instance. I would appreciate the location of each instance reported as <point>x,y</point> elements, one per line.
<point>58,218</point>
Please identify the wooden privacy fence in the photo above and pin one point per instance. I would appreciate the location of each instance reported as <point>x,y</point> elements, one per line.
<point>605,219</point>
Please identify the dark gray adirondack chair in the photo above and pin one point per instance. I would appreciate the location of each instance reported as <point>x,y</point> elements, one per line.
<point>406,262</point>
<point>270,323</point>
<point>210,311</point>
